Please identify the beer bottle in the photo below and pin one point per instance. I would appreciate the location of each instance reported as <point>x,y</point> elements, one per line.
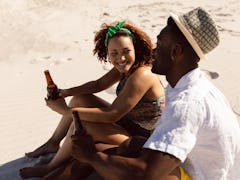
<point>78,127</point>
<point>52,89</point>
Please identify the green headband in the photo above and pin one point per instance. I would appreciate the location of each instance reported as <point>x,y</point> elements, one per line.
<point>112,30</point>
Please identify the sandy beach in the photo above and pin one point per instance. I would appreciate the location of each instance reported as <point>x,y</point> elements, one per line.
<point>58,35</point>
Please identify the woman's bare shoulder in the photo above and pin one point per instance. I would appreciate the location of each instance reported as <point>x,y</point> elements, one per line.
<point>143,72</point>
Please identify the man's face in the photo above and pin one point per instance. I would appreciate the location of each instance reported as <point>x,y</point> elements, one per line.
<point>162,53</point>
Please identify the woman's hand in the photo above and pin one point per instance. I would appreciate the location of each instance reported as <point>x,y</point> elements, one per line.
<point>58,106</point>
<point>63,93</point>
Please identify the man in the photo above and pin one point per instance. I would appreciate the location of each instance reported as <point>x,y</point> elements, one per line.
<point>197,129</point>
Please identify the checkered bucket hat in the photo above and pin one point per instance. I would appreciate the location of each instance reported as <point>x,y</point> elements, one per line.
<point>199,29</point>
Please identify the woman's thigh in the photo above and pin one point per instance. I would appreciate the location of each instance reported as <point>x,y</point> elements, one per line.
<point>106,132</point>
<point>88,100</point>
<point>103,132</point>
<point>85,101</point>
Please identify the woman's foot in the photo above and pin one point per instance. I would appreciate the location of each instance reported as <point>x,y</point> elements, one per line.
<point>38,171</point>
<point>48,147</point>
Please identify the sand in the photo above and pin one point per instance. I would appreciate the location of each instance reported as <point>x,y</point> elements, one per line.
<point>58,35</point>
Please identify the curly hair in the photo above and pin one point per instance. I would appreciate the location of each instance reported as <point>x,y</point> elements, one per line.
<point>142,44</point>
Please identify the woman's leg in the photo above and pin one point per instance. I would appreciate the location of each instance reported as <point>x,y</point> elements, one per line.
<point>71,170</point>
<point>75,170</point>
<point>63,154</point>
<point>107,133</point>
<point>52,145</point>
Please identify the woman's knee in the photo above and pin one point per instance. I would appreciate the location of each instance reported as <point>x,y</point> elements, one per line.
<point>87,100</point>
<point>76,100</point>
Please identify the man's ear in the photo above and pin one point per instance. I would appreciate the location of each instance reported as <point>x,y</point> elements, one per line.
<point>176,51</point>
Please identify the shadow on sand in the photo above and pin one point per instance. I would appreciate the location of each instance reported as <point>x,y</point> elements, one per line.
<point>10,170</point>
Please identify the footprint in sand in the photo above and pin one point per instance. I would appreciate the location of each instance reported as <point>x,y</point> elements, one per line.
<point>47,57</point>
<point>106,14</point>
<point>62,60</point>
<point>39,60</point>
<point>50,60</point>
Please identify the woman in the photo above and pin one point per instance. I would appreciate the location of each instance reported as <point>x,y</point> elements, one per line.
<point>136,109</point>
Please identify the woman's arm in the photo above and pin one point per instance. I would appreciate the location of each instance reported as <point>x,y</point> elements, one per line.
<point>135,88</point>
<point>91,87</point>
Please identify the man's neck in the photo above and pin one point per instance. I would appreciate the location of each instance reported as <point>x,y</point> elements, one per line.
<point>176,74</point>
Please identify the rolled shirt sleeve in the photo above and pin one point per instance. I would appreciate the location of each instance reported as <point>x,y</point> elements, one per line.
<point>177,129</point>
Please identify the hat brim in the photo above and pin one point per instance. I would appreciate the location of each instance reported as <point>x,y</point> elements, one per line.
<point>188,36</point>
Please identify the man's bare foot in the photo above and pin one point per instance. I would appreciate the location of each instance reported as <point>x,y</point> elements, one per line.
<point>48,147</point>
<point>38,171</point>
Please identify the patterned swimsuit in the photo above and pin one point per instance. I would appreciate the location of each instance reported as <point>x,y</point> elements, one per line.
<point>142,119</point>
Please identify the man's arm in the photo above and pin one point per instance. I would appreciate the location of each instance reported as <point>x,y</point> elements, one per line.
<point>150,165</point>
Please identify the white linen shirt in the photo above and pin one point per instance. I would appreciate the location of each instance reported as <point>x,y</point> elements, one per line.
<point>199,128</point>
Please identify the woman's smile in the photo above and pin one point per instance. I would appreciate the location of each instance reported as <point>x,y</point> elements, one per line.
<point>121,53</point>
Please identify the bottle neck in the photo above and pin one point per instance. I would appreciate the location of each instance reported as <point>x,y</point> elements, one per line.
<point>48,78</point>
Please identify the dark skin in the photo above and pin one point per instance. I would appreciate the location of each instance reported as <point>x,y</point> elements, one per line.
<point>116,167</point>
<point>173,58</point>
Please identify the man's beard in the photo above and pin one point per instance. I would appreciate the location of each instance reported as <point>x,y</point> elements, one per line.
<point>156,68</point>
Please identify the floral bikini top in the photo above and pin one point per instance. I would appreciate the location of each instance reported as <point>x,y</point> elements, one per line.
<point>146,112</point>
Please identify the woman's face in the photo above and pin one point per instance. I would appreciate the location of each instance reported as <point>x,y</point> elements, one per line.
<point>121,53</point>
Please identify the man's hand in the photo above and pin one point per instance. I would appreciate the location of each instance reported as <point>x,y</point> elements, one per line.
<point>83,147</point>
<point>58,106</point>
